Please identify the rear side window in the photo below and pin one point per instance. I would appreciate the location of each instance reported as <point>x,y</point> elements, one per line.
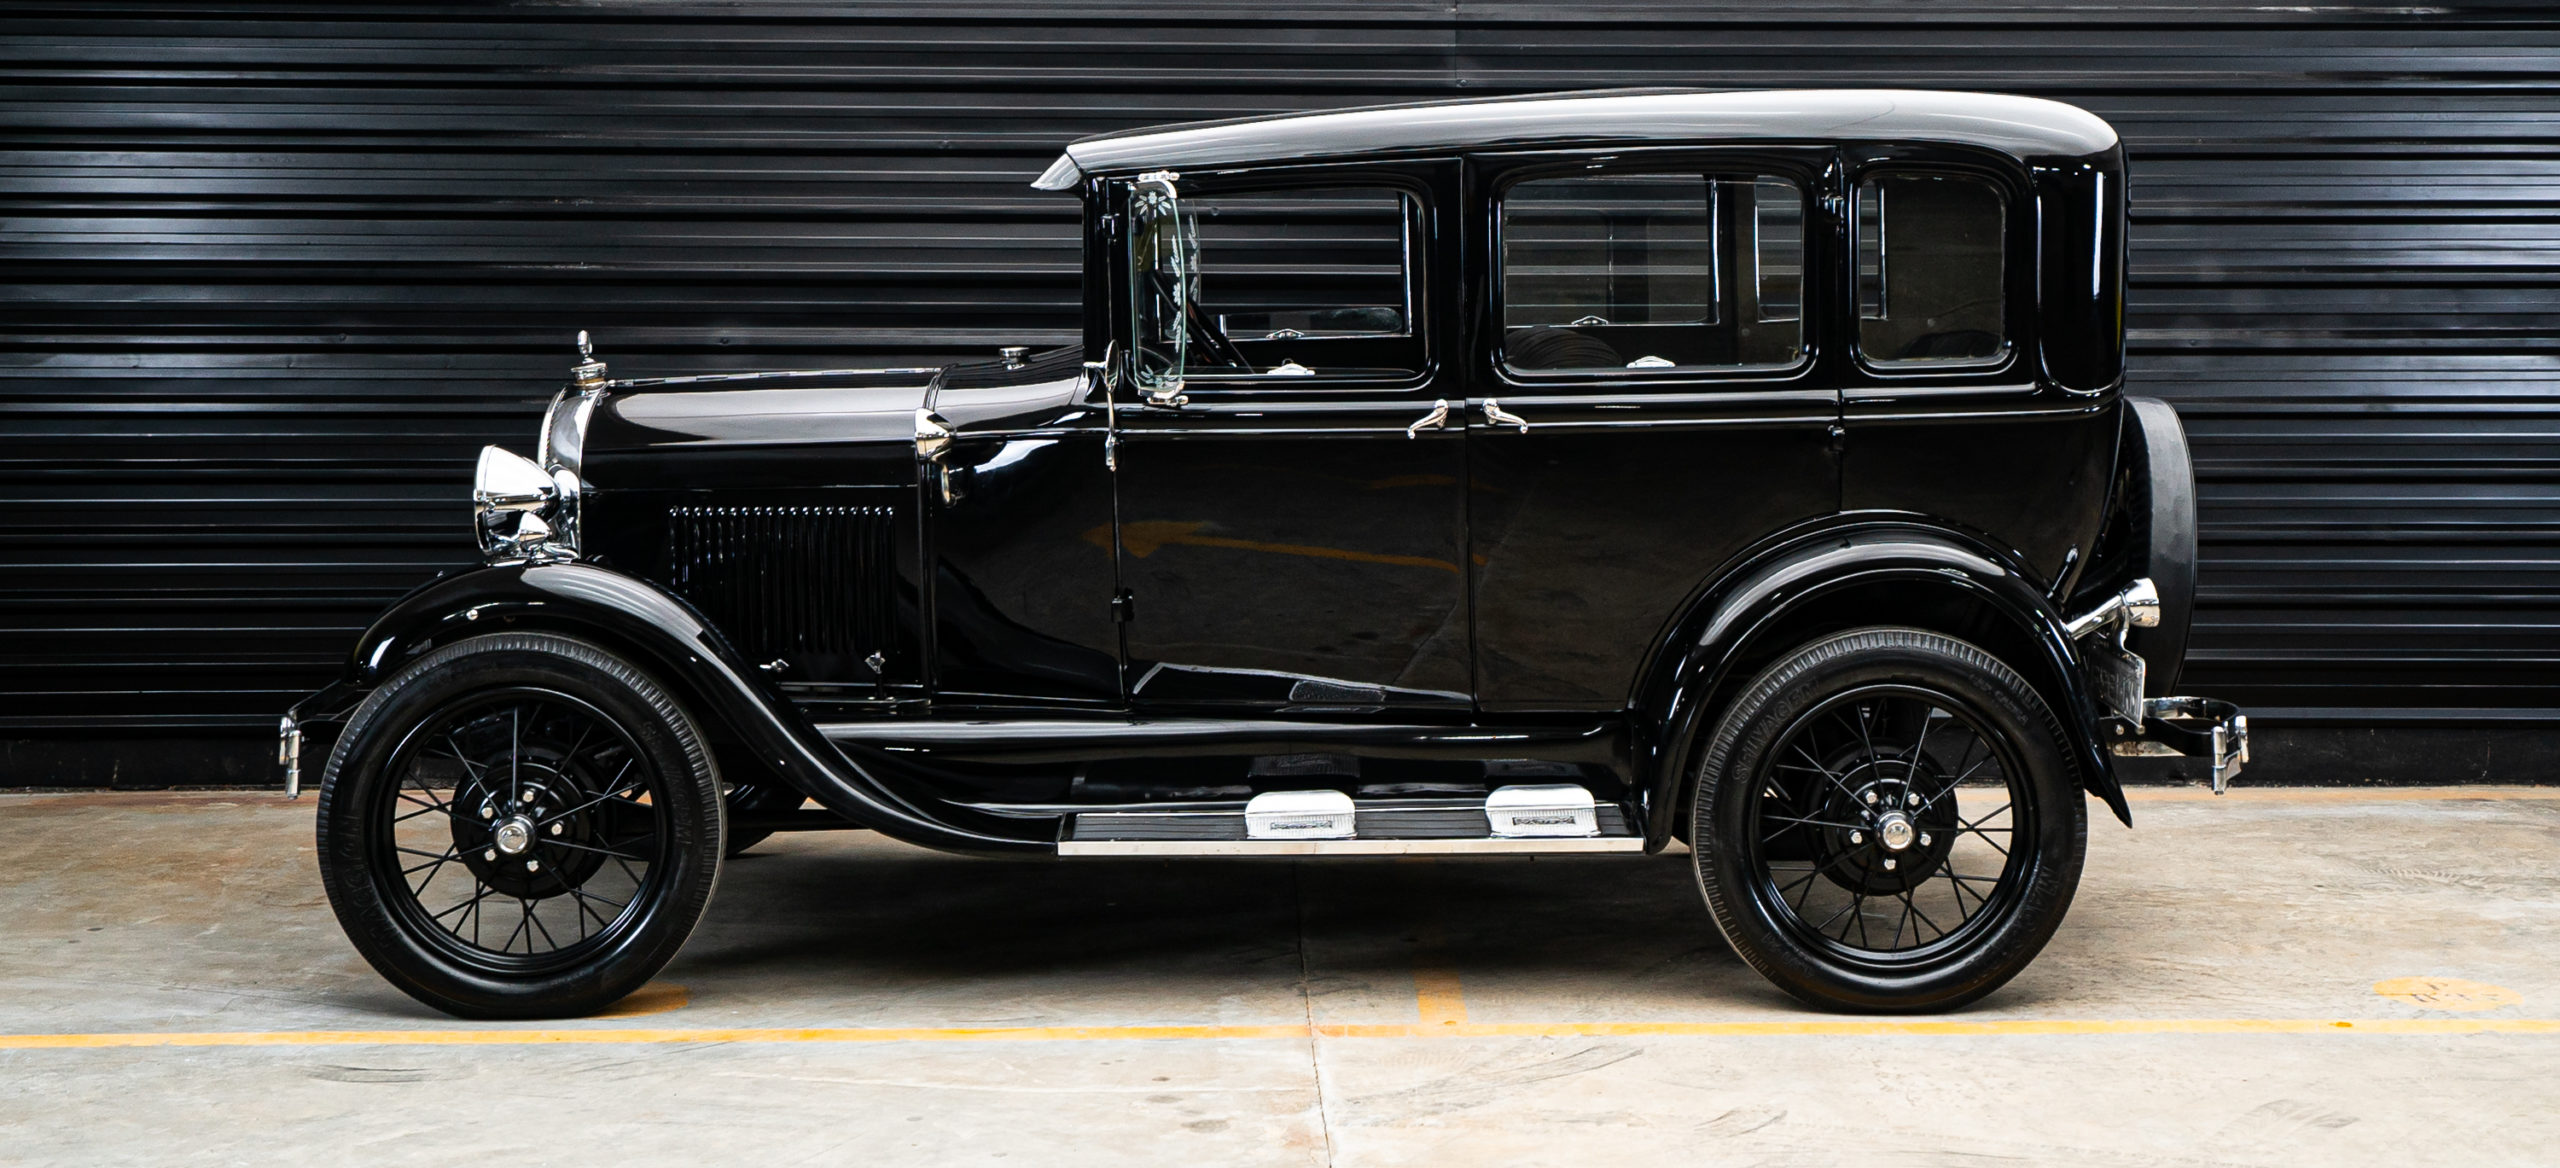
<point>1652,271</point>
<point>1932,273</point>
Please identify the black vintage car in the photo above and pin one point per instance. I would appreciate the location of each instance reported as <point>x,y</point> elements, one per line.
<point>1562,475</point>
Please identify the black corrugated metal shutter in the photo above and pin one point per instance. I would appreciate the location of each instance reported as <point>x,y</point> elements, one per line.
<point>273,271</point>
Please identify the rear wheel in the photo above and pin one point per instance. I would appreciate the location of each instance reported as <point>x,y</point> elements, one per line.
<point>519,826</point>
<point>1887,822</point>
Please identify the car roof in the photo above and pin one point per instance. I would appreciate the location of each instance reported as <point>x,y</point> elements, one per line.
<point>2021,127</point>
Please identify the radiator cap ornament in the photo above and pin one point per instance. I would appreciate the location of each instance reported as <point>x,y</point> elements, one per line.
<point>588,373</point>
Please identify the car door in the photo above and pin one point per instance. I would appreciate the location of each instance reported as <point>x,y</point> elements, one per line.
<point>1292,526</point>
<point>1652,397</point>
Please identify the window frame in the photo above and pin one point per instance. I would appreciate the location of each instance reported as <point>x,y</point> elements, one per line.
<point>1809,171</point>
<point>2017,274</point>
<point>1420,275</point>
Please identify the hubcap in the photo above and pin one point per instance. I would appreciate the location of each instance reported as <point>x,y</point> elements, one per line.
<point>514,835</point>
<point>1896,832</point>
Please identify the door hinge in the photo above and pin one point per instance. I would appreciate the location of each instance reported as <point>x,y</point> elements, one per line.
<point>1839,438</point>
<point>1124,606</point>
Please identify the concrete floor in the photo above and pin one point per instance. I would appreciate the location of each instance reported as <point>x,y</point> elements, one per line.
<point>2210,1001</point>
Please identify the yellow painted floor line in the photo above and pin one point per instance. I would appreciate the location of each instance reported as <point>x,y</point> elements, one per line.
<point>1439,997</point>
<point>1832,1028</point>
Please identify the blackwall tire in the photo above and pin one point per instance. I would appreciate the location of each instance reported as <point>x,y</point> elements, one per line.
<point>1871,778</point>
<point>533,775</point>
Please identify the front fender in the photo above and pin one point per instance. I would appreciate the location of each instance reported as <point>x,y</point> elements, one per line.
<point>1869,574</point>
<point>635,615</point>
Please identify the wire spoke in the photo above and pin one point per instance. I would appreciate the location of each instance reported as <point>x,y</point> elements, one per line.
<point>1963,914</point>
<point>1973,741</point>
<point>1910,906</point>
<point>1834,863</point>
<point>530,915</point>
<point>602,921</point>
<point>515,754</point>
<point>1836,783</point>
<point>1767,818</point>
<point>561,843</point>
<point>447,808</point>
<point>484,892</point>
<point>613,791</point>
<point>440,805</point>
<point>1825,927</point>
<point>479,775</point>
<point>2004,852</point>
<point>438,861</point>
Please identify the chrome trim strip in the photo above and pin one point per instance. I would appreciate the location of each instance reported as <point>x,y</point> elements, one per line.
<point>1614,845</point>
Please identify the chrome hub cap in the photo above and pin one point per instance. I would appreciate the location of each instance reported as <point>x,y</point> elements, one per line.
<point>513,836</point>
<point>1895,831</point>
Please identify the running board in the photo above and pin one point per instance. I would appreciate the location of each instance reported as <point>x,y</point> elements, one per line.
<point>1393,828</point>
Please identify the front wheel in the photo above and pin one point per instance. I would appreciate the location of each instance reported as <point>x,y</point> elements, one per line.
<point>519,826</point>
<point>1887,821</point>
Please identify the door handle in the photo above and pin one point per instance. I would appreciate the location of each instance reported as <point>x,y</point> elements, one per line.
<point>1494,413</point>
<point>1437,418</point>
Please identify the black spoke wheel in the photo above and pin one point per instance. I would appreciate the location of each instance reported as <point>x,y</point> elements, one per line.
<point>1886,820</point>
<point>519,825</point>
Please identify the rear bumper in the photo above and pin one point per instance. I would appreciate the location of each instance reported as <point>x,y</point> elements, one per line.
<point>2133,725</point>
<point>2185,727</point>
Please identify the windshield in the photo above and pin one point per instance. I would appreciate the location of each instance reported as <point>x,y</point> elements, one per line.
<point>1164,267</point>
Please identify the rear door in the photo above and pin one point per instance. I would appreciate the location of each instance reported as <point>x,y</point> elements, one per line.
<point>1652,397</point>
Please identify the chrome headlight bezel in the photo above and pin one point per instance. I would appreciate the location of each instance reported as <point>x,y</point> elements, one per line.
<point>527,509</point>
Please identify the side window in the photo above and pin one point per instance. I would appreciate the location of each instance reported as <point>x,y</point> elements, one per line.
<point>1652,271</point>
<point>1932,274</point>
<point>1308,282</point>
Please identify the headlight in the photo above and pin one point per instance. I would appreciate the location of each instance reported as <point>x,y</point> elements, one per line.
<point>520,510</point>
<point>528,509</point>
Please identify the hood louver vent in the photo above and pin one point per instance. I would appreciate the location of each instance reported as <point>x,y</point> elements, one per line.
<point>814,586</point>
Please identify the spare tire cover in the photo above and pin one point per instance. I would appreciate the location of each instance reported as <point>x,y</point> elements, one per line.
<point>2164,520</point>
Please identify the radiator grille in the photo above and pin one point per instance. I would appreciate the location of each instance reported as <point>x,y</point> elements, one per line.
<point>814,586</point>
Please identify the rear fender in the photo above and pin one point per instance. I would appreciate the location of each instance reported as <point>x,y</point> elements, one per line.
<point>1869,574</point>
<point>666,635</point>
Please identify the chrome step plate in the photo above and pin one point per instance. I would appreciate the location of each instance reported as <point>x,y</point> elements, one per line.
<point>1383,829</point>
